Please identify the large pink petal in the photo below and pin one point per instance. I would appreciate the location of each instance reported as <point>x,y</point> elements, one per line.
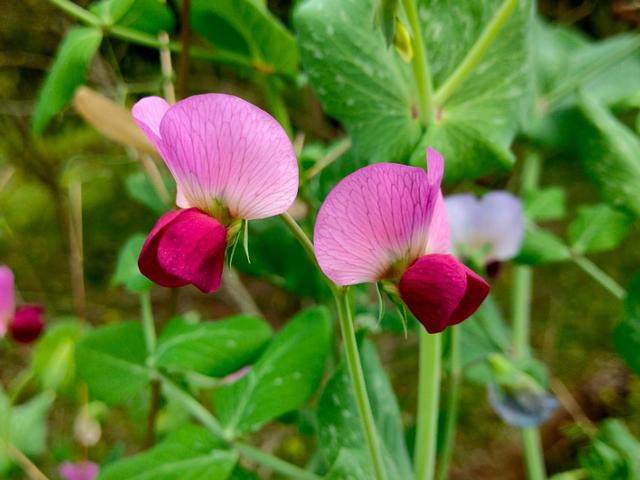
<point>185,247</point>
<point>148,114</point>
<point>374,218</point>
<point>439,233</point>
<point>27,324</point>
<point>7,299</point>
<point>440,291</point>
<point>224,150</point>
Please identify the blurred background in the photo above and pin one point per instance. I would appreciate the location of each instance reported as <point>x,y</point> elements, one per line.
<point>70,197</point>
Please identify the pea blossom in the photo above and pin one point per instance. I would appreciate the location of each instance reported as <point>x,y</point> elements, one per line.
<point>231,162</point>
<point>387,223</point>
<point>486,231</point>
<point>25,323</point>
<point>79,471</point>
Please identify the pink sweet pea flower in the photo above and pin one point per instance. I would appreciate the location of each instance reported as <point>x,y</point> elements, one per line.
<point>25,323</point>
<point>231,161</point>
<point>387,222</point>
<point>487,231</point>
<point>7,299</point>
<point>79,471</point>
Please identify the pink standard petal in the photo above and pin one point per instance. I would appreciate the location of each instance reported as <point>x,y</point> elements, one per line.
<point>374,217</point>
<point>79,471</point>
<point>439,232</point>
<point>27,324</point>
<point>224,150</point>
<point>440,291</point>
<point>148,114</point>
<point>185,247</point>
<point>7,299</point>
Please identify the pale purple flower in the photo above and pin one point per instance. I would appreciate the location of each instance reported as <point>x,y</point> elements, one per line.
<point>490,229</point>
<point>387,222</point>
<point>79,471</point>
<point>231,161</point>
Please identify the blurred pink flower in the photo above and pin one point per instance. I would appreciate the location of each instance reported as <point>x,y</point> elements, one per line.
<point>387,222</point>
<point>25,323</point>
<point>487,230</point>
<point>7,299</point>
<point>79,471</point>
<point>231,161</point>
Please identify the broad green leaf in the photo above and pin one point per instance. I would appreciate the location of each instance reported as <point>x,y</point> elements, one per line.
<point>24,426</point>
<point>541,246</point>
<point>351,464</point>
<point>127,272</point>
<point>190,453</point>
<point>140,189</point>
<point>149,16</point>
<point>610,153</point>
<point>614,453</point>
<point>481,335</point>
<point>340,431</point>
<point>54,355</point>
<point>68,71</point>
<point>545,204</point>
<point>284,377</point>
<point>111,359</point>
<point>371,90</point>
<point>212,348</point>
<point>626,336</point>
<point>598,228</point>
<point>248,28</point>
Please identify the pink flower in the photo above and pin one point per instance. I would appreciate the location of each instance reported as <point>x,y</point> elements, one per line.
<point>25,323</point>
<point>387,222</point>
<point>79,471</point>
<point>231,161</point>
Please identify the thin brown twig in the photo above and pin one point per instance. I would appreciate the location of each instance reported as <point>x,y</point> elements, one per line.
<point>166,67</point>
<point>573,407</point>
<point>76,253</point>
<point>30,468</point>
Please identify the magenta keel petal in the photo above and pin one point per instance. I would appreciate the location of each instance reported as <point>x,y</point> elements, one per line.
<point>185,247</point>
<point>440,291</point>
<point>27,324</point>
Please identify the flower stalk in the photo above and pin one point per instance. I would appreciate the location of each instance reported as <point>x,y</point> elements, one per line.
<point>428,403</point>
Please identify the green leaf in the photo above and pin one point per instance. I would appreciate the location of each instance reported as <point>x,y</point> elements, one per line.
<point>190,453</point>
<point>212,348</point>
<point>613,454</point>
<point>372,92</point>
<point>127,272</point>
<point>598,228</point>
<point>484,333</point>
<point>245,27</point>
<point>541,246</point>
<point>140,189</point>
<point>610,153</point>
<point>24,426</point>
<point>626,336</point>
<point>340,432</point>
<point>54,355</point>
<point>545,204</point>
<point>69,70</point>
<point>284,377</point>
<point>111,359</point>
<point>149,16</point>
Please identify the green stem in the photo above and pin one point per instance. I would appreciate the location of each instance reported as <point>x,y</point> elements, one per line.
<point>474,55</point>
<point>420,63</point>
<point>148,324</point>
<point>274,463</point>
<point>302,238</point>
<point>144,39</point>
<point>428,404</point>
<point>521,313</point>
<point>359,386</point>
<point>453,403</point>
<point>533,455</point>
<point>522,280</point>
<point>600,276</point>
